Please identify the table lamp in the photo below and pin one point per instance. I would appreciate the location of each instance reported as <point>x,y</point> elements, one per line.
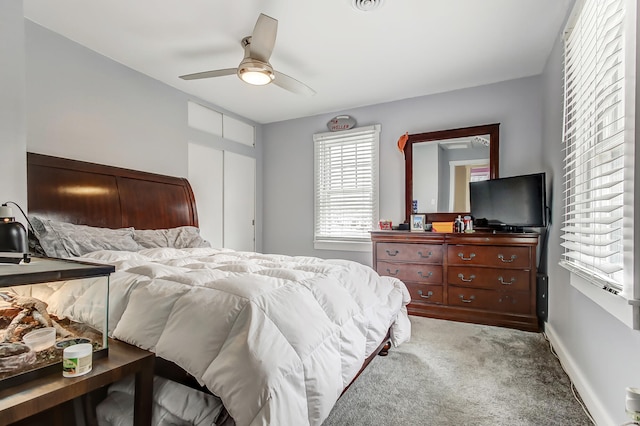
<point>13,238</point>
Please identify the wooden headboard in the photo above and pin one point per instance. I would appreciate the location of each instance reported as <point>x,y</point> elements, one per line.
<point>105,196</point>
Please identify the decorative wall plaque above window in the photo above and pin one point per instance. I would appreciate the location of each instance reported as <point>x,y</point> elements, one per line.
<point>341,122</point>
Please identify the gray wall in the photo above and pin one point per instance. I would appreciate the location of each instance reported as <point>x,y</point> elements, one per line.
<point>84,106</point>
<point>589,335</point>
<point>13,185</point>
<point>288,153</point>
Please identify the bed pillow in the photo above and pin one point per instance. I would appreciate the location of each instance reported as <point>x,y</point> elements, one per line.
<point>62,239</point>
<point>180,237</point>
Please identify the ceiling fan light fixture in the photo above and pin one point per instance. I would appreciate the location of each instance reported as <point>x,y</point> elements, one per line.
<point>256,78</point>
<point>255,72</point>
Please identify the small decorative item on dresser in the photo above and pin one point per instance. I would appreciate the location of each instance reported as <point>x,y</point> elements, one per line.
<point>458,224</point>
<point>385,224</point>
<point>442,226</point>
<point>468,224</point>
<point>418,222</point>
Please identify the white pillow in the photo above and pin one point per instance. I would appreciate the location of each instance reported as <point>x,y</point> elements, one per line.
<point>62,239</point>
<point>180,237</point>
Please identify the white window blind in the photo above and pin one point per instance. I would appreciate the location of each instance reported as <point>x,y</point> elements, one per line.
<point>598,168</point>
<point>346,184</point>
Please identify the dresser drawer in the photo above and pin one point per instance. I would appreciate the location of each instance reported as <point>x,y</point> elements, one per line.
<point>425,293</point>
<point>431,274</point>
<point>492,300</point>
<point>424,253</point>
<point>490,278</point>
<point>496,256</point>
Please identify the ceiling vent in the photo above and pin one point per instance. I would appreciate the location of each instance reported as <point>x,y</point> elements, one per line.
<point>366,5</point>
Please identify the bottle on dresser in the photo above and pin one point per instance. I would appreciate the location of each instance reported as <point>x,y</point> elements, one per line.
<point>458,224</point>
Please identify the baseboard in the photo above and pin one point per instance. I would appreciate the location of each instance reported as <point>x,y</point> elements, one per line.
<point>589,397</point>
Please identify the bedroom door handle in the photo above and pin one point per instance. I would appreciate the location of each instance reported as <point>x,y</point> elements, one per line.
<point>502,281</point>
<point>513,257</point>
<point>392,273</point>
<point>469,300</point>
<point>471,256</point>
<point>471,278</point>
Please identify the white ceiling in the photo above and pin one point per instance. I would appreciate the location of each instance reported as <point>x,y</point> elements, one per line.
<point>404,49</point>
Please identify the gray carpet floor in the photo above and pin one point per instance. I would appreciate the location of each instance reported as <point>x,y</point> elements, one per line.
<point>453,373</point>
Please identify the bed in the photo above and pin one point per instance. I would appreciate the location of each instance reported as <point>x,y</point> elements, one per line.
<point>276,339</point>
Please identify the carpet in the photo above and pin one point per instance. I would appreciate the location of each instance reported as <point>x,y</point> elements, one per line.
<point>453,373</point>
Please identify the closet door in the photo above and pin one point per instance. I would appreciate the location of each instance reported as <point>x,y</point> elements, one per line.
<point>239,201</point>
<point>206,179</point>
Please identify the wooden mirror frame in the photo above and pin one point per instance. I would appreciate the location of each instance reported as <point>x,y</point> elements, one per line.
<point>493,130</point>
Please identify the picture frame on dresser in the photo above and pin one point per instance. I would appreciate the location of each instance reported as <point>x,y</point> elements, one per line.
<point>418,222</point>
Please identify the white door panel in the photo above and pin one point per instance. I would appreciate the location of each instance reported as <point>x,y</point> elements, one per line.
<point>239,201</point>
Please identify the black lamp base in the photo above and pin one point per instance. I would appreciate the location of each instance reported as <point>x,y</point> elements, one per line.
<point>13,243</point>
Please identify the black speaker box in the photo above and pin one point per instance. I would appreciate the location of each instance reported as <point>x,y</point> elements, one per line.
<point>542,296</point>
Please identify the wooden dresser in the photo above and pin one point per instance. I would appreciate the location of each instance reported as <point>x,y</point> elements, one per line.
<point>482,277</point>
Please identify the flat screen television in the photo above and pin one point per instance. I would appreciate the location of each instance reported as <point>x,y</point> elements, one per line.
<point>510,203</point>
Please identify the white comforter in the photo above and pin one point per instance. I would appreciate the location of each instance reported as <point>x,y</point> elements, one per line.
<point>277,338</point>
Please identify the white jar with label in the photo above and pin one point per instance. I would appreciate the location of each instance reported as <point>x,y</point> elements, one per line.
<point>77,360</point>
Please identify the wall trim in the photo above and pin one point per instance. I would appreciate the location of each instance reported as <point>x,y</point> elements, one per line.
<point>579,379</point>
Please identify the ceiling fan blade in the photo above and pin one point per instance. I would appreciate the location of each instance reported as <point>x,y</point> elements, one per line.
<point>292,85</point>
<point>209,74</point>
<point>263,38</point>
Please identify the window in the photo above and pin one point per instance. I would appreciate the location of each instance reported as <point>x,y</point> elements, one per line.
<point>346,188</point>
<point>598,141</point>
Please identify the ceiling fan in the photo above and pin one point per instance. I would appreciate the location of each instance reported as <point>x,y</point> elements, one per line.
<point>255,67</point>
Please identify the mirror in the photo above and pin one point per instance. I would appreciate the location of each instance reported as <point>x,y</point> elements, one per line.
<point>439,166</point>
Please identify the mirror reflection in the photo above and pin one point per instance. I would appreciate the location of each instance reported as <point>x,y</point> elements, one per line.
<point>439,166</point>
<point>458,162</point>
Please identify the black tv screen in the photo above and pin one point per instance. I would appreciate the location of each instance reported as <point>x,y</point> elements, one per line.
<point>517,201</point>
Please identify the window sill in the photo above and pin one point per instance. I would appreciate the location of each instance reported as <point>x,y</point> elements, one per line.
<point>342,245</point>
<point>616,305</point>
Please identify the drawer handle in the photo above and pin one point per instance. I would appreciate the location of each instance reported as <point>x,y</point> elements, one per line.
<point>392,273</point>
<point>471,256</point>
<point>428,296</point>
<point>507,298</point>
<point>471,278</point>
<point>425,257</point>
<point>469,300</point>
<point>428,275</point>
<point>513,257</point>
<point>395,252</point>
<point>502,281</point>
